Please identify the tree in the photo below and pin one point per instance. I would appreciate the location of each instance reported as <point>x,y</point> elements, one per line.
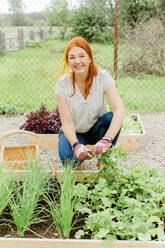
<point>133,12</point>
<point>16,11</point>
<point>93,19</point>
<point>103,7</point>
<point>58,14</point>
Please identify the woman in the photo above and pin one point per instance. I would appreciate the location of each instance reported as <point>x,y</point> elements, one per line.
<point>80,95</point>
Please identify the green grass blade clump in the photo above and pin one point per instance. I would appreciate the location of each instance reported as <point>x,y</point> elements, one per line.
<point>63,210</point>
<point>24,209</point>
<point>6,188</point>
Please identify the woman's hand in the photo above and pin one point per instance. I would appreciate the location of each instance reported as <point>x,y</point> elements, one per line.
<point>101,146</point>
<point>81,152</point>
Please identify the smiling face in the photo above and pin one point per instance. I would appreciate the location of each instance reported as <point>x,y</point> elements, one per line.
<point>79,60</point>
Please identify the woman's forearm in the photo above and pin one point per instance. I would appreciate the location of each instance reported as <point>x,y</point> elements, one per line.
<point>70,133</point>
<point>116,123</point>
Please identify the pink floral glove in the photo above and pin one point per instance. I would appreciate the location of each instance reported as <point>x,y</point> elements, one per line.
<point>102,145</point>
<point>81,152</point>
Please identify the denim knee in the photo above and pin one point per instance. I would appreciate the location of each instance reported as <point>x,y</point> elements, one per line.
<point>106,119</point>
<point>64,147</point>
<point>65,151</point>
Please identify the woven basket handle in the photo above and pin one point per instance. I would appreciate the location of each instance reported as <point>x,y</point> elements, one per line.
<point>5,135</point>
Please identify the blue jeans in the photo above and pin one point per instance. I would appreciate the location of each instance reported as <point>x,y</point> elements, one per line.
<point>91,137</point>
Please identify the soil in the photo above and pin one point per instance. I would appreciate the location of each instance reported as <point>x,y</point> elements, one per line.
<point>45,229</point>
<point>153,154</point>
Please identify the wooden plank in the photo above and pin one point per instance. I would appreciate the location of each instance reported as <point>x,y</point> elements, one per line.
<point>49,141</point>
<point>48,243</point>
<point>73,243</point>
<point>129,142</point>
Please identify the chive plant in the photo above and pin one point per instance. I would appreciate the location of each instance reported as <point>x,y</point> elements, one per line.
<point>6,188</point>
<point>63,209</point>
<point>24,202</point>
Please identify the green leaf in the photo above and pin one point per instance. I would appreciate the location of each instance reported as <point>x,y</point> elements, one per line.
<point>102,233</point>
<point>79,234</point>
<point>144,237</point>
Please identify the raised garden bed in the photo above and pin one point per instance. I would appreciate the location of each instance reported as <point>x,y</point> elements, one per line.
<point>130,141</point>
<point>72,243</point>
<point>133,141</point>
<point>47,125</point>
<point>125,203</point>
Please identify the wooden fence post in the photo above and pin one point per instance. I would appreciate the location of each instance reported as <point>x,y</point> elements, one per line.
<point>31,35</point>
<point>21,39</point>
<point>2,43</point>
<point>41,34</point>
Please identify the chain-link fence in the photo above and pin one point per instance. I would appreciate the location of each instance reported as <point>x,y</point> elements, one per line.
<point>30,69</point>
<point>31,59</point>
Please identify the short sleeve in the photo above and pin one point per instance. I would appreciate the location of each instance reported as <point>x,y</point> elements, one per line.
<point>59,89</point>
<point>106,79</point>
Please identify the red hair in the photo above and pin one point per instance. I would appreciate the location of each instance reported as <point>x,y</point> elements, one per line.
<point>79,41</point>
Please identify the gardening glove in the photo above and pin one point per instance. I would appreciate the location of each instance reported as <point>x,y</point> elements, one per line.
<point>101,146</point>
<point>81,152</point>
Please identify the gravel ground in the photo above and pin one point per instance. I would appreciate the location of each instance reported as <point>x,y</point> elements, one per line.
<point>153,154</point>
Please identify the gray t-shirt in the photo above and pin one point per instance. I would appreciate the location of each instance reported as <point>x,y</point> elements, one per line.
<point>85,112</point>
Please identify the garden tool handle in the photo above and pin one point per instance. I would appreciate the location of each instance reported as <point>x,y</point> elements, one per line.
<point>13,132</point>
<point>53,171</point>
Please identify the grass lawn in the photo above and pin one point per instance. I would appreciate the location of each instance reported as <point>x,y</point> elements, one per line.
<point>28,78</point>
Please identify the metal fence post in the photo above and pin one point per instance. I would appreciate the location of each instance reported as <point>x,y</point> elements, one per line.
<point>115,39</point>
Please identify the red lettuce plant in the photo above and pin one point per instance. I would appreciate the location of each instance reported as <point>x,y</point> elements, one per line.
<point>43,121</point>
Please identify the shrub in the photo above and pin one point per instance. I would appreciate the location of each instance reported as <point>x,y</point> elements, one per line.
<point>7,108</point>
<point>143,49</point>
<point>43,121</point>
<point>88,24</point>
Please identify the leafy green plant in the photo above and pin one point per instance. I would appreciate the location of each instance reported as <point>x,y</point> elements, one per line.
<point>24,209</point>
<point>43,121</point>
<point>125,203</point>
<point>130,125</point>
<point>7,108</point>
<point>63,211</point>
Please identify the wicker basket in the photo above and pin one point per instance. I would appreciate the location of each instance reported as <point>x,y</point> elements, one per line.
<point>18,157</point>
